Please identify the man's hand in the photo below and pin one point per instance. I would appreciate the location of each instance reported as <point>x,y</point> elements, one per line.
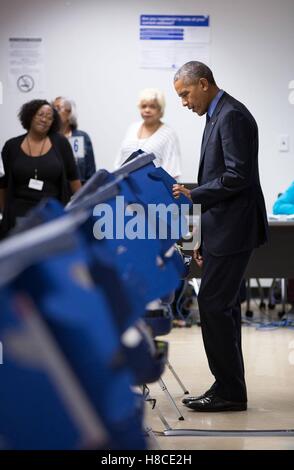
<point>180,188</point>
<point>198,258</point>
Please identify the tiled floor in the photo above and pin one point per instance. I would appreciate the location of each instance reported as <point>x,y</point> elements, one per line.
<point>269,362</point>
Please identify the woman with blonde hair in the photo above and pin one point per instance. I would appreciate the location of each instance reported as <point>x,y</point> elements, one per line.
<point>152,135</point>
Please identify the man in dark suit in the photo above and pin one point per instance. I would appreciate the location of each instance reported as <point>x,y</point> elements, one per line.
<point>233,222</point>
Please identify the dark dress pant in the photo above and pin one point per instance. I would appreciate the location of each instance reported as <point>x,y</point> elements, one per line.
<point>220,314</point>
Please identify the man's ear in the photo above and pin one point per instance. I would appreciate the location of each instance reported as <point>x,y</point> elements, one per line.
<point>204,83</point>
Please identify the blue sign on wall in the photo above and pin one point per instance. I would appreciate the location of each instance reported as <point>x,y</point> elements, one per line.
<point>174,20</point>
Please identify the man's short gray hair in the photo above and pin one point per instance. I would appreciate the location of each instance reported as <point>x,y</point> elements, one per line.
<point>192,71</point>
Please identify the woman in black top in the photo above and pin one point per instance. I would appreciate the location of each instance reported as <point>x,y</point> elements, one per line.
<point>37,165</point>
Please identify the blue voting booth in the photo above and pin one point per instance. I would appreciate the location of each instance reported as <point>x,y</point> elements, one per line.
<point>153,186</point>
<point>141,261</point>
<point>78,317</point>
<point>147,185</point>
<point>87,294</point>
<point>42,404</point>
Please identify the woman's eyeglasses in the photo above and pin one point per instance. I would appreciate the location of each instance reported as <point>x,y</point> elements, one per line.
<point>47,117</point>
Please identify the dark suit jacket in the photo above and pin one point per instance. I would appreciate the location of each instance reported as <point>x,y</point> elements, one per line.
<point>233,210</point>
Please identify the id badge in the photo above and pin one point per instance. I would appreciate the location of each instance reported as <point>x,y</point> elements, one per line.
<point>36,184</point>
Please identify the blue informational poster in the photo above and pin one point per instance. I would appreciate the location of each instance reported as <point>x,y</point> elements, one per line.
<point>168,41</point>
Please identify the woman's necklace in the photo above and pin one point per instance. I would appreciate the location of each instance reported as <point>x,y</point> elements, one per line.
<point>30,153</point>
<point>42,146</point>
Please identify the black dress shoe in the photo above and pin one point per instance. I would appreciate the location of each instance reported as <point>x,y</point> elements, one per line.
<point>213,403</point>
<point>187,400</point>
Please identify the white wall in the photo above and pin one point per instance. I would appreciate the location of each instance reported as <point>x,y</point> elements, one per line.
<point>92,56</point>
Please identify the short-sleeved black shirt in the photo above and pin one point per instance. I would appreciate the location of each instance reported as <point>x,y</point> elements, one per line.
<point>56,168</point>
<point>47,168</point>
